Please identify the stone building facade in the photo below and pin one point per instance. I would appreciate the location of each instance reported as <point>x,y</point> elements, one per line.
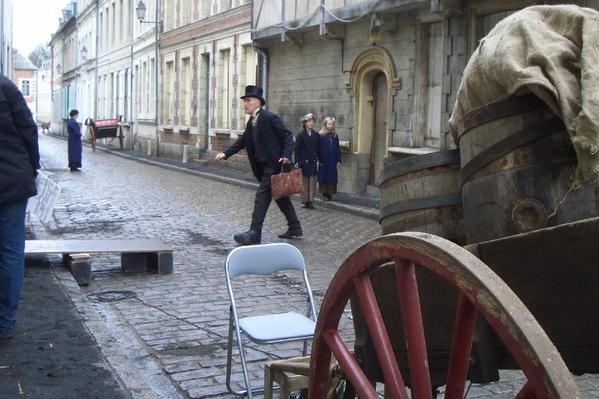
<point>388,71</point>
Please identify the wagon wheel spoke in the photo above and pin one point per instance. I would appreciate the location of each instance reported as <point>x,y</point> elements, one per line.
<point>526,392</point>
<point>394,383</point>
<point>459,359</point>
<point>350,366</point>
<point>411,314</point>
<point>481,292</point>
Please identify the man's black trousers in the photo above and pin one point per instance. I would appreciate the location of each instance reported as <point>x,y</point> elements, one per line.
<point>262,202</point>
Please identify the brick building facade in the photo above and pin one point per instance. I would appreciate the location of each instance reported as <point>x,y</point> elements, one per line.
<point>24,76</point>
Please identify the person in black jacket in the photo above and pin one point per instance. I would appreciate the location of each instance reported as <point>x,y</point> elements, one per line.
<point>307,144</point>
<point>19,161</point>
<point>269,145</point>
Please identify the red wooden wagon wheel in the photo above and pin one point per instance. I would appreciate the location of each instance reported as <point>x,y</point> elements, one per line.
<point>480,291</point>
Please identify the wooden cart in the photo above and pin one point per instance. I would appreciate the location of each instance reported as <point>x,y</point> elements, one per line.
<point>517,284</point>
<point>523,295</point>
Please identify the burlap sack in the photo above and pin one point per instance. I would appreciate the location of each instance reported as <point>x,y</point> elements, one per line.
<point>553,52</point>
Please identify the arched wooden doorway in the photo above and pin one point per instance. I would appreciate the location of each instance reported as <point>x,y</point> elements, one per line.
<point>374,82</point>
<point>378,148</point>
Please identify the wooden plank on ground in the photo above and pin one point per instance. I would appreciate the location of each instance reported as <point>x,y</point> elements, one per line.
<point>93,246</point>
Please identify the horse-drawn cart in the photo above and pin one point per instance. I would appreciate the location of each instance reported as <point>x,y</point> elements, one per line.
<point>105,128</point>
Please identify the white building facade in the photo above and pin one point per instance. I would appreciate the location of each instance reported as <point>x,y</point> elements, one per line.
<point>173,80</point>
<point>6,60</point>
<point>44,93</point>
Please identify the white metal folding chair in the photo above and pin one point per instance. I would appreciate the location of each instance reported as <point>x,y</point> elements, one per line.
<point>266,328</point>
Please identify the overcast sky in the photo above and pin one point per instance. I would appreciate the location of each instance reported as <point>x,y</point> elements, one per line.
<point>34,21</point>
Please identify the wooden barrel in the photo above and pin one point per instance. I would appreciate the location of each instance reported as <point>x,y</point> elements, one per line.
<point>422,193</point>
<point>517,168</point>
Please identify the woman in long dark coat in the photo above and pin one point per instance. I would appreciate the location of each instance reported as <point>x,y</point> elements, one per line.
<point>306,156</point>
<point>75,146</point>
<point>329,158</point>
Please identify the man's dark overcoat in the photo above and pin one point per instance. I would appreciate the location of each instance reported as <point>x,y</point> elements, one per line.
<point>19,154</point>
<point>276,141</point>
<point>306,151</point>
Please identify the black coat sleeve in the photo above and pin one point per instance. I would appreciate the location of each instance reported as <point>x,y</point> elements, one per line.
<point>299,143</point>
<point>283,134</point>
<point>237,146</point>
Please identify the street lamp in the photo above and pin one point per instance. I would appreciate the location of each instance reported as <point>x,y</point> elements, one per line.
<point>84,53</point>
<point>140,11</point>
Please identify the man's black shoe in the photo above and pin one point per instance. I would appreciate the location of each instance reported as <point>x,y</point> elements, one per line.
<point>292,233</point>
<point>250,237</point>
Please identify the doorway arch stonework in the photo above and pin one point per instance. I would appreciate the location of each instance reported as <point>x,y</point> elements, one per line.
<point>365,67</point>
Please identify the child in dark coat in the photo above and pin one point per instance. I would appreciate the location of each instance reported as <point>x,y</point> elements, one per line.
<point>307,146</point>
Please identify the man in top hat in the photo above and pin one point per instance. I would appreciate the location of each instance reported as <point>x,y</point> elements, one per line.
<point>307,144</point>
<point>269,146</point>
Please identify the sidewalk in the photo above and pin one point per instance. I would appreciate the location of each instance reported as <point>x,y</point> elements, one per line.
<point>52,355</point>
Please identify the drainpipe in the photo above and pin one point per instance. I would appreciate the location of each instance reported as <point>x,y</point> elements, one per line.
<point>130,82</point>
<point>157,63</point>
<point>263,71</point>
<point>78,66</point>
<point>97,57</point>
<point>323,25</point>
<point>3,66</point>
<point>207,103</point>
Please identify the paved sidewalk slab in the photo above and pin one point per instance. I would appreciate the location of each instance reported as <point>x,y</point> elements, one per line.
<point>52,354</point>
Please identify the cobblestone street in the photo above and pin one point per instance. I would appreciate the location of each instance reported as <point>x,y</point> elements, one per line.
<point>169,339</point>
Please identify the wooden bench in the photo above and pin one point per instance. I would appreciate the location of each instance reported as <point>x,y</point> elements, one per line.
<point>136,255</point>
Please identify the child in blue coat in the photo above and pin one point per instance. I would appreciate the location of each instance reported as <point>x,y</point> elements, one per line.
<point>329,158</point>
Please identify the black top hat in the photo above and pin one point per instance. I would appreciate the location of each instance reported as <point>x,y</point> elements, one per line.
<point>254,91</point>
